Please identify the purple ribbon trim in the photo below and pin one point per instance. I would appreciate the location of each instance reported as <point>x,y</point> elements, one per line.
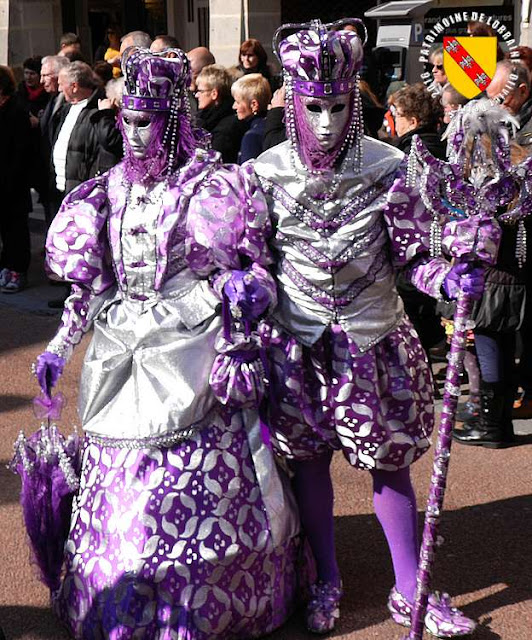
<point>226,317</point>
<point>323,89</point>
<point>48,407</point>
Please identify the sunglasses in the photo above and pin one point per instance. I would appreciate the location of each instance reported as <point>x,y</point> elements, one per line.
<point>438,66</point>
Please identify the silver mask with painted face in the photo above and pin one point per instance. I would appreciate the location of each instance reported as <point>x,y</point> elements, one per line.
<point>327,118</point>
<point>138,129</point>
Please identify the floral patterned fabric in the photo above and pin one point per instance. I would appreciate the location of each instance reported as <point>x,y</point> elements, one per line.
<point>225,223</point>
<point>375,406</point>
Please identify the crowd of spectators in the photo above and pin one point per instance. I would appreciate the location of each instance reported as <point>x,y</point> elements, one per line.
<point>58,128</point>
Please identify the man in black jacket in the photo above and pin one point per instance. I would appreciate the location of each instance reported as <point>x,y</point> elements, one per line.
<point>51,65</point>
<point>84,139</point>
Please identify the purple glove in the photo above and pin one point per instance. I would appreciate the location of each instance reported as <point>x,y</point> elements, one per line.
<point>48,369</point>
<point>246,293</point>
<point>464,276</point>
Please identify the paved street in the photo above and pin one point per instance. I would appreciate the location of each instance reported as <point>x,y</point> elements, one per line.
<point>485,561</point>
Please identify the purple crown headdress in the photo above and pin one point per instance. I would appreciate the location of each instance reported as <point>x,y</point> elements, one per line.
<point>157,83</point>
<point>322,61</point>
<point>154,81</point>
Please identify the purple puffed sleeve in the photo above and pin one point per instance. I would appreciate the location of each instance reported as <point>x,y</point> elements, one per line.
<point>408,223</point>
<point>77,252</point>
<point>228,227</point>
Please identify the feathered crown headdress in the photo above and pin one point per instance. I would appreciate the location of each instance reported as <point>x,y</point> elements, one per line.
<point>479,176</point>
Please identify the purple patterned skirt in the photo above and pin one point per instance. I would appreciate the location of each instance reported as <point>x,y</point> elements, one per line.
<point>179,543</point>
<point>376,406</point>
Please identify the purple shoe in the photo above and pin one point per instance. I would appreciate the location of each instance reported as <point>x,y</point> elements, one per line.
<point>323,608</point>
<point>441,620</point>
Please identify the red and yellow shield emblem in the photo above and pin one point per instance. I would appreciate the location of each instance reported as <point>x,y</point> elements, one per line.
<point>469,63</point>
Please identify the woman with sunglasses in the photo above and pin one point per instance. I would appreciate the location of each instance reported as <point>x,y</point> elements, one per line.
<point>437,70</point>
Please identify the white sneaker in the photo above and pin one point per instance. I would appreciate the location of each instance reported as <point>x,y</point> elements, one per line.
<point>5,277</point>
<point>17,282</point>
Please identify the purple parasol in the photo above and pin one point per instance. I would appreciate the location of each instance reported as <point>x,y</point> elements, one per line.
<point>48,465</point>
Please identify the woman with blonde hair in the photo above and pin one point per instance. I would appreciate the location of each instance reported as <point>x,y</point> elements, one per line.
<point>215,111</point>
<point>251,94</point>
<point>438,72</point>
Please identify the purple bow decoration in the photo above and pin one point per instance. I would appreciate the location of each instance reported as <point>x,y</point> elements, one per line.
<point>48,407</point>
<point>245,292</point>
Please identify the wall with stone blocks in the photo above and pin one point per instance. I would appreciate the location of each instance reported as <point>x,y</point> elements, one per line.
<point>228,26</point>
<point>28,28</point>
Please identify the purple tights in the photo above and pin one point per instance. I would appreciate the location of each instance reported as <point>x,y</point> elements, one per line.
<point>395,507</point>
<point>315,499</point>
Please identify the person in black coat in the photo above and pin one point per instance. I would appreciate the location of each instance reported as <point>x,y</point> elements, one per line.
<point>417,112</point>
<point>51,65</point>
<point>252,95</point>
<point>215,111</point>
<point>85,140</point>
<point>15,144</point>
<point>31,94</point>
<point>252,58</point>
<point>33,97</point>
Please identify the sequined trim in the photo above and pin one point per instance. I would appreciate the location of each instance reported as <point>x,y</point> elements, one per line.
<point>59,349</point>
<point>327,300</point>
<point>438,283</point>
<point>360,242</point>
<point>452,389</point>
<point>313,219</point>
<point>167,440</point>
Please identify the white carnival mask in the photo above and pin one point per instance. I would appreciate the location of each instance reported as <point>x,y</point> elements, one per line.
<point>327,118</point>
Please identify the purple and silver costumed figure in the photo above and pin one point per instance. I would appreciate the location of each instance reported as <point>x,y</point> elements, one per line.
<point>182,527</point>
<point>348,372</point>
<point>469,196</point>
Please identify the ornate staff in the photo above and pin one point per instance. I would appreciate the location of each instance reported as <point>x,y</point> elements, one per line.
<point>464,196</point>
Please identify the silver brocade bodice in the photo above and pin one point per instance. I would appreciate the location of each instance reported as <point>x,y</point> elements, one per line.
<point>334,264</point>
<point>139,241</point>
<point>146,372</point>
